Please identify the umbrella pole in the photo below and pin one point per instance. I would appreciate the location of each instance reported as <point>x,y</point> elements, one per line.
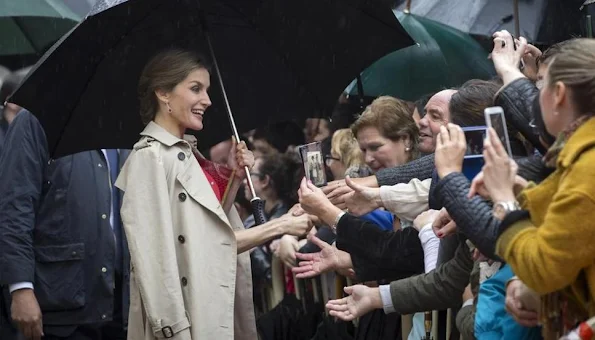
<point>256,202</point>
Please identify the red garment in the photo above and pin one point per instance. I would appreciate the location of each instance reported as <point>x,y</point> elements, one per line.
<point>289,283</point>
<point>217,175</point>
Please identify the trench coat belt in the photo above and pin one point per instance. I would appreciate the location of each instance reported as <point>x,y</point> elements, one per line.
<point>168,331</point>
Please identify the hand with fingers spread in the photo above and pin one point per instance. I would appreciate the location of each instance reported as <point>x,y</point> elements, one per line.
<point>243,158</point>
<point>338,192</point>
<point>361,300</point>
<point>287,249</point>
<point>522,303</point>
<point>363,200</point>
<point>327,259</point>
<point>450,150</point>
<point>507,55</point>
<point>499,170</point>
<point>26,314</point>
<point>444,225</point>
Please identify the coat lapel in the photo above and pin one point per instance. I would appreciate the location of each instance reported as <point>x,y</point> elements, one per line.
<point>194,181</point>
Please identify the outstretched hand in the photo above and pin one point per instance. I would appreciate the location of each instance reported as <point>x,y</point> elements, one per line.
<point>327,259</point>
<point>361,300</point>
<point>363,200</point>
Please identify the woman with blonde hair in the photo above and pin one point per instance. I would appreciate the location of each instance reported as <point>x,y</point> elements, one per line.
<point>345,153</point>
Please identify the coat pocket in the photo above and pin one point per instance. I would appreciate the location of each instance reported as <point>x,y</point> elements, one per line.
<point>59,277</point>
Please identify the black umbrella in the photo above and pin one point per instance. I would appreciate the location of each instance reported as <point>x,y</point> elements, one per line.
<point>540,21</point>
<point>279,59</point>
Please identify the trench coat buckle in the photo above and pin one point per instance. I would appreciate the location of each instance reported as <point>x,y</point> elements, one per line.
<point>168,332</point>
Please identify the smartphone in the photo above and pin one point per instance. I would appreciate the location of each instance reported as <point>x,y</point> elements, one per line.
<point>313,161</point>
<point>495,119</point>
<point>474,135</point>
<point>473,159</point>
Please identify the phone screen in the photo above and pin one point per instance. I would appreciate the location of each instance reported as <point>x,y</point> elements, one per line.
<point>474,140</point>
<point>498,123</point>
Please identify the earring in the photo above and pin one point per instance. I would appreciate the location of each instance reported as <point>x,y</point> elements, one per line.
<point>168,107</point>
<point>407,149</point>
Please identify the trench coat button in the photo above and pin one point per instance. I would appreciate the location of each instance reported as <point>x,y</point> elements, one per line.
<point>182,197</point>
<point>103,216</point>
<point>104,270</point>
<point>181,238</point>
<point>181,156</point>
<point>184,282</point>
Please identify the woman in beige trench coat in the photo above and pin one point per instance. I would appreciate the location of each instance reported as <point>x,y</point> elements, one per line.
<point>190,272</point>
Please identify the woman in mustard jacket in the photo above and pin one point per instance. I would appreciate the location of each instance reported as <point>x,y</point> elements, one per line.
<point>548,235</point>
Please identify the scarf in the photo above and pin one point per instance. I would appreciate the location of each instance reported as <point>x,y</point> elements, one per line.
<point>551,157</point>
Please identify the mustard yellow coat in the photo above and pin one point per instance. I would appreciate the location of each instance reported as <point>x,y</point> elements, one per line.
<point>550,251</point>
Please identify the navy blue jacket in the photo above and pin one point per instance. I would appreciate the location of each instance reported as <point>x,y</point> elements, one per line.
<point>55,229</point>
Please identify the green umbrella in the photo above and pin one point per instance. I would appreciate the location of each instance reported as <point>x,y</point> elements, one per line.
<point>29,27</point>
<point>443,57</point>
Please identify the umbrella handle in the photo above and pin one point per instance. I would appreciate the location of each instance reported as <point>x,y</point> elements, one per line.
<point>258,211</point>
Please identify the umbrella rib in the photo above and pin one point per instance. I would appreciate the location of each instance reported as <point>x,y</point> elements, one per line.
<point>103,56</point>
<point>18,22</point>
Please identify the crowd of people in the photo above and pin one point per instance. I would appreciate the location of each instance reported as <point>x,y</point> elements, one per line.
<point>160,241</point>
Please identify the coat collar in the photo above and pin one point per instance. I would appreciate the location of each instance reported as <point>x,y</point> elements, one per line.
<point>160,134</point>
<point>582,139</point>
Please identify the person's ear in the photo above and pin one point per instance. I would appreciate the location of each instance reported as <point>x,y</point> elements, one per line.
<point>560,94</point>
<point>162,95</point>
<point>266,181</point>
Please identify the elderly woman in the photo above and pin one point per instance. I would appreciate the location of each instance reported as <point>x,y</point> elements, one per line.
<point>387,136</point>
<point>190,276</point>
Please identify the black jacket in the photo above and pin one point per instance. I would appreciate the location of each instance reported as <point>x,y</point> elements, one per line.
<point>516,99</point>
<point>55,228</point>
<point>377,254</point>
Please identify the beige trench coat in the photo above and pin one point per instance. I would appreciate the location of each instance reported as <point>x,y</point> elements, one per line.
<point>187,280</point>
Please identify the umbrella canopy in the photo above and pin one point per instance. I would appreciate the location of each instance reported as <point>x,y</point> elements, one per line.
<point>541,21</point>
<point>279,59</point>
<point>32,26</point>
<point>443,57</point>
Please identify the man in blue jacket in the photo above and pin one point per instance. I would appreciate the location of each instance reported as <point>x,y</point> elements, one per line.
<point>63,257</point>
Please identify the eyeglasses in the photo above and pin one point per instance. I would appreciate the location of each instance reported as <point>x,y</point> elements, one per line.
<point>257,174</point>
<point>329,158</point>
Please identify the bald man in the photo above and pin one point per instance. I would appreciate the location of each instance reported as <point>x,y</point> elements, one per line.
<point>436,114</point>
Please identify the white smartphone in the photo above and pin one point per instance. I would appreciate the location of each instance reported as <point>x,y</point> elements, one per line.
<point>495,119</point>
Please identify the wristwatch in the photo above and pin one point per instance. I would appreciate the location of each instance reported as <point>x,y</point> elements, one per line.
<point>501,209</point>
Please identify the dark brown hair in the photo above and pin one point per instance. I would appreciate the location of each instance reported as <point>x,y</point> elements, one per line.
<point>163,72</point>
<point>467,104</point>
